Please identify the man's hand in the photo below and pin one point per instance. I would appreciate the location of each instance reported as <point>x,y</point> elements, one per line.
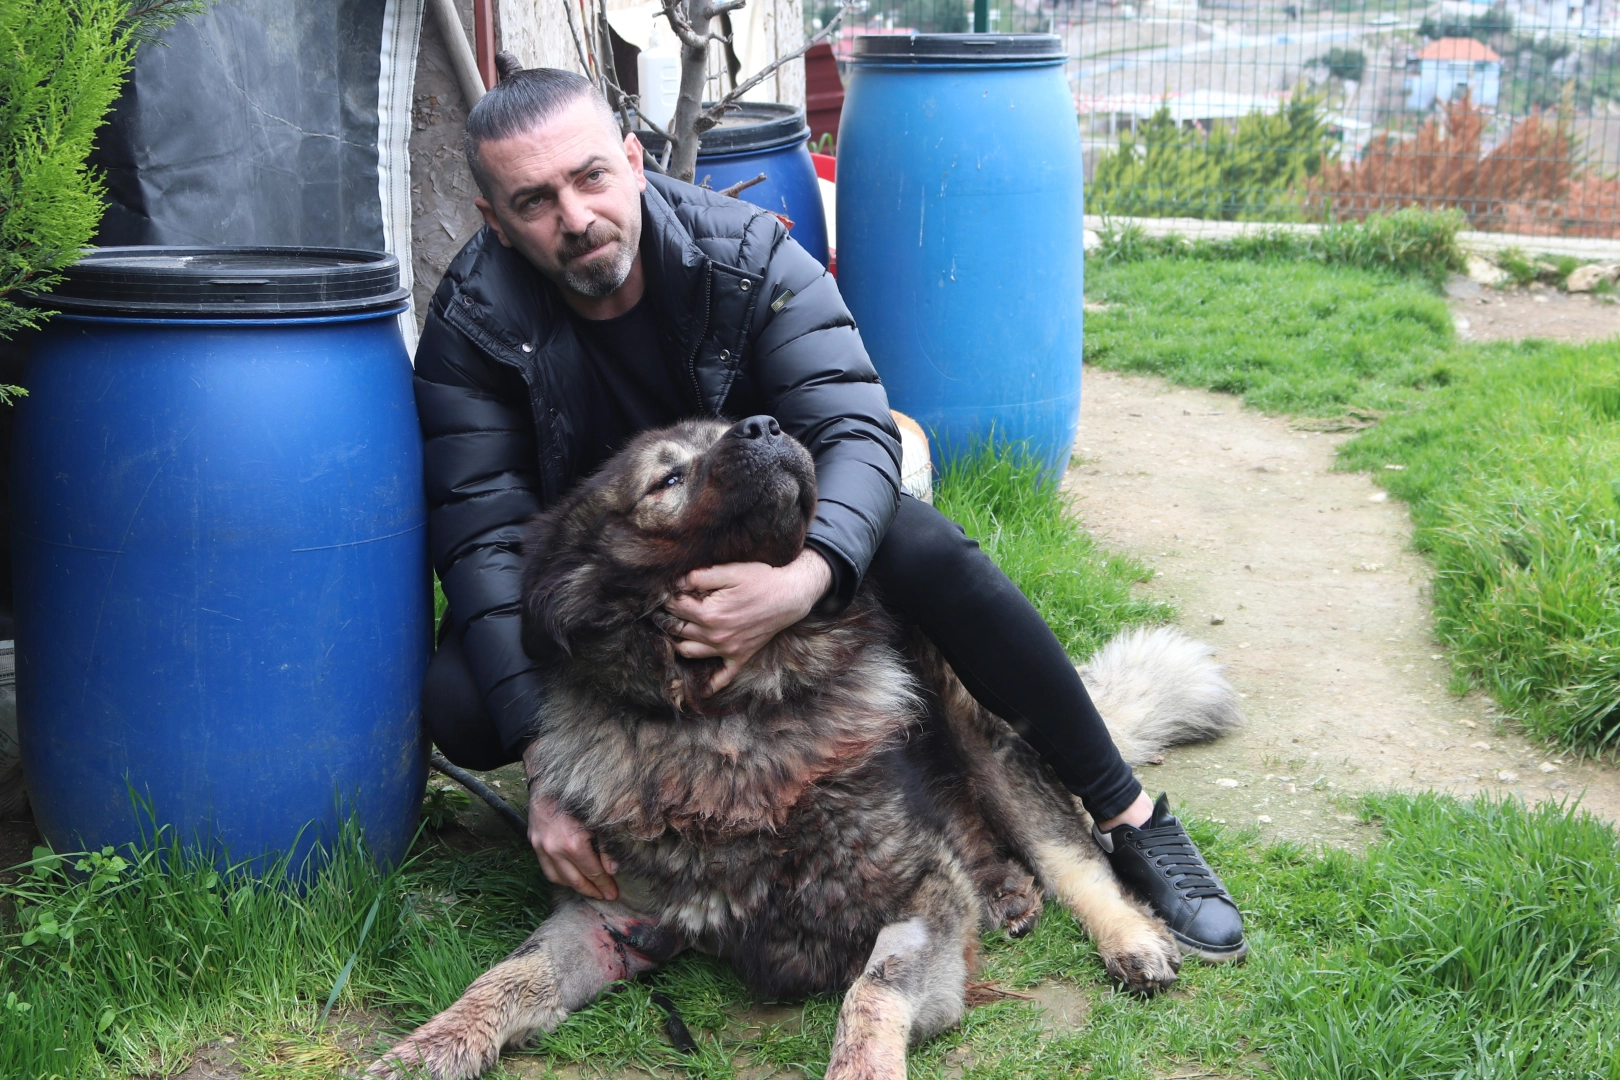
<point>567,856</point>
<point>732,611</point>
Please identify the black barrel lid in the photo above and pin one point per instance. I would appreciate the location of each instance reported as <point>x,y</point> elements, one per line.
<point>224,282</point>
<point>959,48</point>
<point>752,126</point>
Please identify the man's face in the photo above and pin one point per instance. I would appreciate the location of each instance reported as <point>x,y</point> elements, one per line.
<point>567,196</point>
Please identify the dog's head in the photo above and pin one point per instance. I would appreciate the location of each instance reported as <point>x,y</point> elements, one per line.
<point>601,564</point>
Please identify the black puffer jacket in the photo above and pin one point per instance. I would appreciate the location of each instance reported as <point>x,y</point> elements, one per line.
<point>502,384</point>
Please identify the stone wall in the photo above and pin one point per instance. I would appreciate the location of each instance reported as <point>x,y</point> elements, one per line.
<point>442,190</point>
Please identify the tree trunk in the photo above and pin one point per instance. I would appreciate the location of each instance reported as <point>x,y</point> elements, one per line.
<point>689,105</point>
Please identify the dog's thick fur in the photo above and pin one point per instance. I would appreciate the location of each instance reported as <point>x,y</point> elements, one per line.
<point>842,817</point>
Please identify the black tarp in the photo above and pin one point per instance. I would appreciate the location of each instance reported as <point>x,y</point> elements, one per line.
<point>267,122</point>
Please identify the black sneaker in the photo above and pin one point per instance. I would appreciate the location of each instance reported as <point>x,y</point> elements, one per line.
<point>1160,863</point>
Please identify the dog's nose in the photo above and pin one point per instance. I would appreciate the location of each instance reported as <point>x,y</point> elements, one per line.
<point>757,427</point>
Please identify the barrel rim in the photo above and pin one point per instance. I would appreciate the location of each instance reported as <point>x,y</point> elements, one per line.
<point>958,48</point>
<point>225,281</point>
<point>778,126</point>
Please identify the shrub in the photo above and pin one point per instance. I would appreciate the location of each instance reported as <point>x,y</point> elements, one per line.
<point>65,62</point>
<point>1531,182</point>
<point>1250,174</point>
<point>1346,64</point>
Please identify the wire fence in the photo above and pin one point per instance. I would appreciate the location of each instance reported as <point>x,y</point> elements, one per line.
<point>1318,110</point>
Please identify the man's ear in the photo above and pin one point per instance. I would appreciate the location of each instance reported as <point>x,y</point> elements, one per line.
<point>491,220</point>
<point>637,156</point>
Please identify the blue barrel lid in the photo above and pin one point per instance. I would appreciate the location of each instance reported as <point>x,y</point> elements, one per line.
<point>959,48</point>
<point>750,127</point>
<point>227,282</point>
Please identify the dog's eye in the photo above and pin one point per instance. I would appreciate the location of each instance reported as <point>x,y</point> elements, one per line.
<point>670,481</point>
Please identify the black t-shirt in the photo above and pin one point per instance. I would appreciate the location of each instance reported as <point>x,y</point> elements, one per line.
<point>638,382</point>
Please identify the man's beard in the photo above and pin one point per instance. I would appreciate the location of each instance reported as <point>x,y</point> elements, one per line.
<point>602,276</point>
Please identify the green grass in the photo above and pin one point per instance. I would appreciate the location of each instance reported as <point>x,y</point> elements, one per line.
<point>1286,335</point>
<point>1512,471</point>
<point>1508,453</point>
<point>1419,243</point>
<point>1472,939</point>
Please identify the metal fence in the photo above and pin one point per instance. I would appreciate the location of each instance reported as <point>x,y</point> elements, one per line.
<point>1314,110</point>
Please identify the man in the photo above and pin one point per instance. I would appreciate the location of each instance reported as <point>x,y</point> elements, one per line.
<point>601,301</point>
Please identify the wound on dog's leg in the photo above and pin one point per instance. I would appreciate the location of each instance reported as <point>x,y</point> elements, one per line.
<point>1134,946</point>
<point>913,985</point>
<point>582,948</point>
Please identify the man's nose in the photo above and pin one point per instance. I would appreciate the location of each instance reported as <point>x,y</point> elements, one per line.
<point>576,215</point>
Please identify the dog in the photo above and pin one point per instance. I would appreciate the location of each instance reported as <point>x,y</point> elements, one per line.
<point>842,817</point>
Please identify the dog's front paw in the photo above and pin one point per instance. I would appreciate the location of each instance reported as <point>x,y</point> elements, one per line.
<point>1016,905</point>
<point>432,1055</point>
<point>1146,959</point>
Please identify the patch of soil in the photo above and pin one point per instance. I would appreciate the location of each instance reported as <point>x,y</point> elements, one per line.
<point>18,838</point>
<point>1325,625</point>
<point>1484,314</point>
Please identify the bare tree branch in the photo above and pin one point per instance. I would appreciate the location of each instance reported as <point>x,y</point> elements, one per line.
<point>713,114</point>
<point>678,22</point>
<point>725,7</point>
<point>743,185</point>
<point>579,44</point>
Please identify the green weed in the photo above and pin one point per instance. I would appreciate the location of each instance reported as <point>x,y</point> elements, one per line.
<point>1417,243</point>
<point>1517,266</point>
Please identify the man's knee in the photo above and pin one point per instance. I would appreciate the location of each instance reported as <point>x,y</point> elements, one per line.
<point>921,541</point>
<point>453,711</point>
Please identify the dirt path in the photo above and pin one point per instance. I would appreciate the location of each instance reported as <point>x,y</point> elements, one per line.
<point>1326,626</point>
<point>1489,315</point>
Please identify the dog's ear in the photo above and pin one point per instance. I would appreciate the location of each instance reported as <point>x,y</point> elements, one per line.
<point>556,594</point>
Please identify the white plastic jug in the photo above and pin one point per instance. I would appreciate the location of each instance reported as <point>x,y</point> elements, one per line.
<point>658,76</point>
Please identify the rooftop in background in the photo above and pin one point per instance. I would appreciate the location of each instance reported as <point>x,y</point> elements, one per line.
<point>1455,48</point>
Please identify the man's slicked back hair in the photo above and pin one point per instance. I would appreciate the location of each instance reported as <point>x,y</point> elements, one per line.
<point>523,99</point>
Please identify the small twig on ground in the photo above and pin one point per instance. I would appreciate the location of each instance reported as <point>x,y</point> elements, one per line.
<point>743,185</point>
<point>502,808</point>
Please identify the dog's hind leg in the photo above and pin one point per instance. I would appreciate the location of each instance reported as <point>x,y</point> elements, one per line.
<point>1025,806</point>
<point>913,984</point>
<point>583,947</point>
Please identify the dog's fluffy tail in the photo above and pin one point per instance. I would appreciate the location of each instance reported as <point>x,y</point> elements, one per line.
<point>1157,689</point>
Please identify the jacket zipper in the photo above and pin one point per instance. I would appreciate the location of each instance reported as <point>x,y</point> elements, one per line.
<point>691,361</point>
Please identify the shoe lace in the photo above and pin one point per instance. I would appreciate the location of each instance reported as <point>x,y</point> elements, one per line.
<point>1171,849</point>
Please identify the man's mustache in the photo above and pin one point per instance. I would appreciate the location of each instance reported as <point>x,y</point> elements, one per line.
<point>597,234</point>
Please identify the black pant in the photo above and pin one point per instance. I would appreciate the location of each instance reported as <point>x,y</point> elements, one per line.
<point>929,571</point>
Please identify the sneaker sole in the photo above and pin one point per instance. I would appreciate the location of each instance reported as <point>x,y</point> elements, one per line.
<point>1228,955</point>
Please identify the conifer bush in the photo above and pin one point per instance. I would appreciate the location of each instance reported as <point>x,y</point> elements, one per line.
<point>1255,172</point>
<point>64,62</point>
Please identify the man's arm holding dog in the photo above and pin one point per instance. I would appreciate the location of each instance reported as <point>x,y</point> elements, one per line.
<point>808,360</point>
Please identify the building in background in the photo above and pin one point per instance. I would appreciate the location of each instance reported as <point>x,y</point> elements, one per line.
<point>1450,66</point>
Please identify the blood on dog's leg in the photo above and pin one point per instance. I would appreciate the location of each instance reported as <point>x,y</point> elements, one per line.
<point>913,984</point>
<point>582,948</point>
<point>1134,946</point>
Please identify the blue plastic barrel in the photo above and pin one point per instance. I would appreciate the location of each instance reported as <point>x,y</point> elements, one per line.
<point>960,235</point>
<point>222,589</point>
<point>761,137</point>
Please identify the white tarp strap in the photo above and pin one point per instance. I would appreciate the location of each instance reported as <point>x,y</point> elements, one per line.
<point>401,33</point>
